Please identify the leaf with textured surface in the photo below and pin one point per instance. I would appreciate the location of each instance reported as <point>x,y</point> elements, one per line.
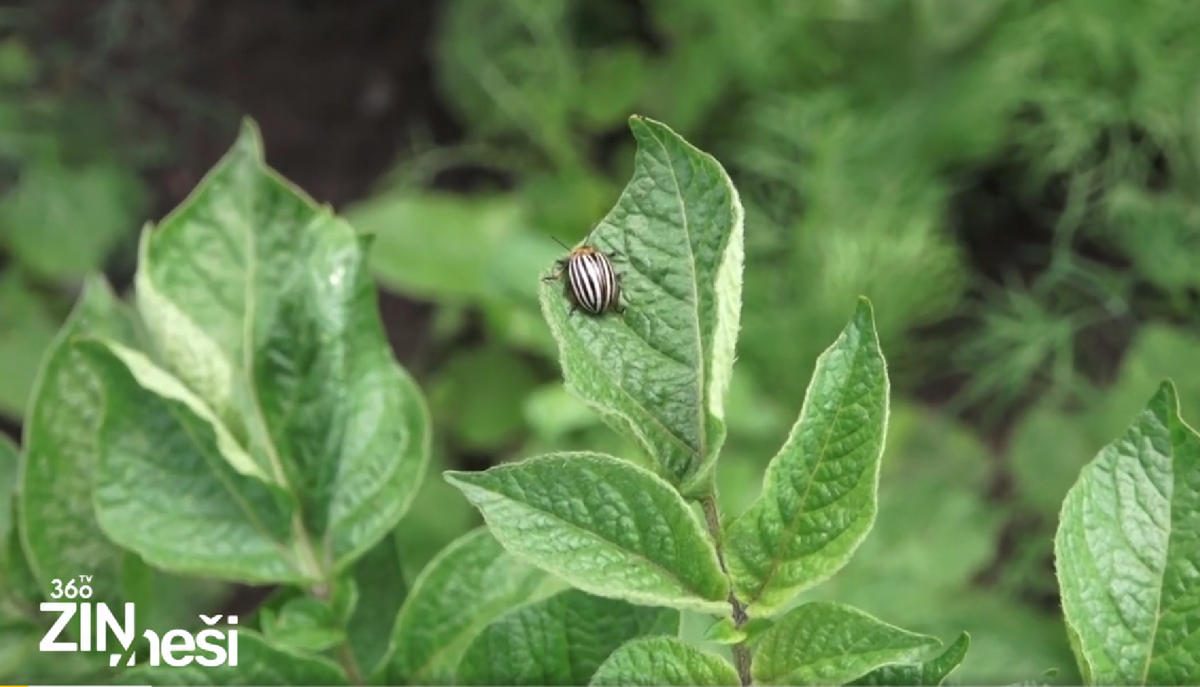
<point>261,303</point>
<point>58,524</point>
<point>1127,548</point>
<point>602,524</point>
<point>654,661</point>
<point>259,663</point>
<point>357,455</point>
<point>164,491</point>
<point>469,584</point>
<point>559,641</point>
<point>820,493</point>
<point>824,643</point>
<point>660,372</point>
<point>932,672</point>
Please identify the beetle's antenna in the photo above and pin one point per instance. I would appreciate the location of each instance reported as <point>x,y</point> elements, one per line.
<point>591,231</point>
<point>565,246</point>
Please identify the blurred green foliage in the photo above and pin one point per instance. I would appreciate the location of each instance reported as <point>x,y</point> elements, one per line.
<point>70,194</point>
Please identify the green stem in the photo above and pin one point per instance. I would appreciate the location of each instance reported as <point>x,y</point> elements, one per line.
<point>741,651</point>
<point>344,656</point>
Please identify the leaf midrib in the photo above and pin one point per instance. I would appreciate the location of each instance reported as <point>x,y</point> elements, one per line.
<point>595,536</point>
<point>794,526</point>
<point>1171,419</point>
<point>702,360</point>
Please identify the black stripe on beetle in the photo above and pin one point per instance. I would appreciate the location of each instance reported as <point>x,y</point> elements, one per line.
<point>591,284</point>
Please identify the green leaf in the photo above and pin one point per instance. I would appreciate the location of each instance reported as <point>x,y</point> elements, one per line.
<point>559,641</point>
<point>469,584</point>
<point>261,302</point>
<point>381,591</point>
<point>654,661</point>
<point>825,643</point>
<point>342,597</point>
<point>725,631</point>
<point>820,492</point>
<point>303,624</point>
<point>932,672</point>
<point>1126,550</point>
<point>602,524</point>
<point>161,383</point>
<point>610,85</point>
<point>414,256</point>
<point>438,516</point>
<point>27,331</point>
<point>480,391</point>
<point>9,459</point>
<point>58,524</point>
<point>22,661</point>
<point>17,585</point>
<point>527,47</point>
<point>18,640</point>
<point>164,491</point>
<point>259,663</point>
<point>62,222</point>
<point>660,372</point>
<point>17,590</point>
<point>165,601</point>
<point>18,66</point>
<point>357,455</point>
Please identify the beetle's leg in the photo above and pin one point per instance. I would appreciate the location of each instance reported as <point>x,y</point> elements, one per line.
<point>559,266</point>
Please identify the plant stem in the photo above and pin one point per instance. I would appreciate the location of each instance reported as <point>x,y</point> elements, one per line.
<point>741,652</point>
<point>346,658</point>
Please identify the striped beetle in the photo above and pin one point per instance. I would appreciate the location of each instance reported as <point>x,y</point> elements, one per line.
<point>591,284</point>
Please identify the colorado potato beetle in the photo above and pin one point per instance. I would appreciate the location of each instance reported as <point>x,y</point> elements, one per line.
<point>591,284</point>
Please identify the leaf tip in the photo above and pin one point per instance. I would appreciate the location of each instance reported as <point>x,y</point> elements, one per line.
<point>863,319</point>
<point>863,310</point>
<point>1166,394</point>
<point>249,138</point>
<point>96,286</point>
<point>459,479</point>
<point>646,126</point>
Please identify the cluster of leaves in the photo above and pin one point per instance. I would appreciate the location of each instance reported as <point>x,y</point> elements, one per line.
<point>245,422</point>
<point>199,436</point>
<point>861,135</point>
